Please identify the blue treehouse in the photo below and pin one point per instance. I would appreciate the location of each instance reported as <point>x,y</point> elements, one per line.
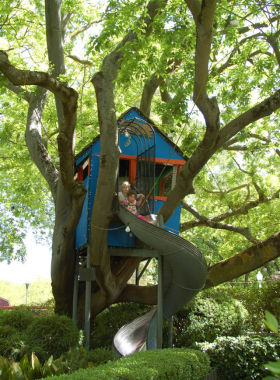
<point>150,161</point>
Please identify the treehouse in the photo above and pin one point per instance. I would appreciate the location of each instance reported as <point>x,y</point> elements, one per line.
<point>150,161</point>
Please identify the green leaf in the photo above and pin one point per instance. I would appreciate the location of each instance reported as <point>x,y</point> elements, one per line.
<point>274,367</point>
<point>271,322</point>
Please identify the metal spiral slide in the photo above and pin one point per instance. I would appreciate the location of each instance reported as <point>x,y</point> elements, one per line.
<point>184,275</point>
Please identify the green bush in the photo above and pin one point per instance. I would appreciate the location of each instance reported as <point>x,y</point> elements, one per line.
<point>105,326</point>
<point>14,346</point>
<point>211,314</point>
<point>257,300</point>
<point>19,318</point>
<point>52,335</point>
<point>243,357</point>
<point>80,358</point>
<point>173,364</point>
<point>6,331</point>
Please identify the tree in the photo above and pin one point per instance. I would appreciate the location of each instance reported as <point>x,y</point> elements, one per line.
<point>174,50</point>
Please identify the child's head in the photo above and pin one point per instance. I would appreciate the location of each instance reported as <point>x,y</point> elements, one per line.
<point>125,187</point>
<point>131,194</point>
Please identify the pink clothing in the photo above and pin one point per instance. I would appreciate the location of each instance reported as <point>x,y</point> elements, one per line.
<point>142,217</point>
<point>131,206</point>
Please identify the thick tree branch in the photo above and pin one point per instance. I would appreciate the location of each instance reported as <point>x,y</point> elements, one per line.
<point>26,78</point>
<point>203,153</point>
<point>151,86</point>
<point>251,259</point>
<point>33,139</point>
<point>264,108</point>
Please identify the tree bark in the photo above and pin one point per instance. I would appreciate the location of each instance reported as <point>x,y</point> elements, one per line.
<point>251,259</point>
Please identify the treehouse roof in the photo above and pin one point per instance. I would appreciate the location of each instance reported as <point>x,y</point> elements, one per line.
<point>132,111</point>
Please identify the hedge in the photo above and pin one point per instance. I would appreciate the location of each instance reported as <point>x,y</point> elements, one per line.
<point>167,364</point>
<point>211,314</point>
<point>243,357</point>
<point>21,333</point>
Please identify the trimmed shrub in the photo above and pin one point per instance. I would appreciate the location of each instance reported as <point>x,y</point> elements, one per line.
<point>80,358</point>
<point>168,364</point>
<point>52,335</point>
<point>211,314</point>
<point>19,318</point>
<point>105,326</point>
<point>243,357</point>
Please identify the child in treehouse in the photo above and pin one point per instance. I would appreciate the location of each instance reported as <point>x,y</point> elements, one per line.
<point>125,187</point>
<point>131,203</point>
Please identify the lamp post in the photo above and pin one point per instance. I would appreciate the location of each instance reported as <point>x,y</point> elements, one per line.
<point>260,278</point>
<point>27,285</point>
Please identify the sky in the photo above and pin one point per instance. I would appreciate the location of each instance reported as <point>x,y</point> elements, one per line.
<point>38,263</point>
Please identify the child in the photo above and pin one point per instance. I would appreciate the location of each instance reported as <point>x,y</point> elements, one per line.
<point>125,187</point>
<point>131,203</point>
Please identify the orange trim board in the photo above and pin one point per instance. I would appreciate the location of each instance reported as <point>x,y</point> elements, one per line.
<point>157,160</point>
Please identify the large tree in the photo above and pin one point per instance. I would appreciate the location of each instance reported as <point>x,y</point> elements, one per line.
<point>205,70</point>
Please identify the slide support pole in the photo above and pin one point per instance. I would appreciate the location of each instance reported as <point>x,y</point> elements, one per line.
<point>75,292</point>
<point>87,306</point>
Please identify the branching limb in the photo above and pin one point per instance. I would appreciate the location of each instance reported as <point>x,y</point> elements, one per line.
<point>257,25</point>
<point>81,61</point>
<point>33,138</point>
<point>209,222</point>
<point>229,214</point>
<point>26,78</point>
<point>226,191</point>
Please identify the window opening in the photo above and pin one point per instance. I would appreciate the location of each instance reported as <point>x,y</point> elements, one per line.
<point>82,170</point>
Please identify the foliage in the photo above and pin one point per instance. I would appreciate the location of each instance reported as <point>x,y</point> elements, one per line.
<point>257,300</point>
<point>166,364</point>
<point>213,313</point>
<point>22,333</point>
<point>39,292</point>
<point>24,370</point>
<point>241,357</point>
<point>80,358</point>
<point>272,323</point>
<point>243,70</point>
<point>52,335</point>
<point>18,318</point>
<point>106,324</point>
